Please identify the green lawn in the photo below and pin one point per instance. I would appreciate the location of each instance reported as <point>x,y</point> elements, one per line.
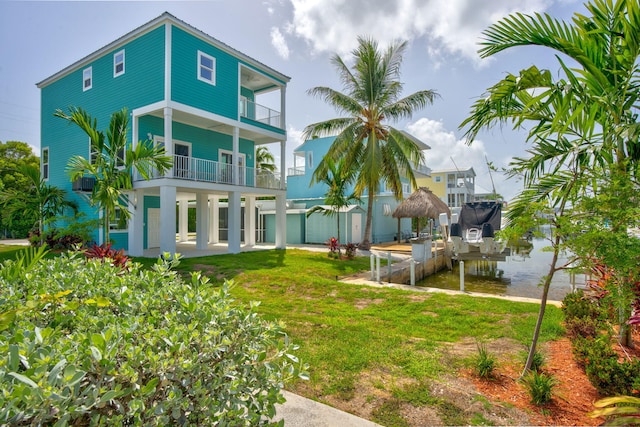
<point>385,346</point>
<point>374,351</point>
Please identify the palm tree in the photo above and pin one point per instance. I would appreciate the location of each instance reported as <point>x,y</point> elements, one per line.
<point>583,126</point>
<point>112,162</point>
<point>375,150</point>
<point>338,180</point>
<point>40,201</point>
<point>265,160</point>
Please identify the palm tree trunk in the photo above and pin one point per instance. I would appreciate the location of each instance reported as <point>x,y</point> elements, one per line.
<point>366,242</point>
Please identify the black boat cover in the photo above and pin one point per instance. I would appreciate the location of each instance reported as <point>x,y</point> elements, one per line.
<point>474,214</point>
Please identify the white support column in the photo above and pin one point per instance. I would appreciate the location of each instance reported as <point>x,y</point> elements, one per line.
<point>283,107</point>
<point>236,155</point>
<point>202,221</point>
<point>281,221</point>
<point>214,220</point>
<point>168,219</point>
<point>283,164</point>
<point>136,223</point>
<point>250,221</point>
<point>233,230</point>
<point>183,221</point>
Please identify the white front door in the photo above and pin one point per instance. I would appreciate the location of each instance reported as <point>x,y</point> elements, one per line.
<point>356,228</point>
<point>153,228</point>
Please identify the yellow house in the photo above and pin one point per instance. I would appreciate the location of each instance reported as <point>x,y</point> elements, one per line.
<point>454,187</point>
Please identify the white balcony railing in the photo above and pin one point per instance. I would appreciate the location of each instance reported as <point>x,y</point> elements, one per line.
<point>259,113</point>
<point>297,171</point>
<point>203,170</point>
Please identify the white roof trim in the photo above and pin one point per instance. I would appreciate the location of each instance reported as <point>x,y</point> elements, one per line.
<point>166,17</point>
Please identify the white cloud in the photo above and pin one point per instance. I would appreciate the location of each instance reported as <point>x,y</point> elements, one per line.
<point>278,41</point>
<point>451,27</point>
<point>448,152</point>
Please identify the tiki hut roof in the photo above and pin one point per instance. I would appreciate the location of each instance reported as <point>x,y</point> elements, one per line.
<point>420,204</point>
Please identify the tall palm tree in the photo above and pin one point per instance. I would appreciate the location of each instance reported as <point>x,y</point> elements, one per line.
<point>583,126</point>
<point>378,152</point>
<point>113,162</point>
<point>338,180</point>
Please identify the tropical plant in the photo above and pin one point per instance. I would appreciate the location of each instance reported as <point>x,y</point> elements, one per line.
<point>540,386</point>
<point>112,163</point>
<point>618,410</point>
<point>338,179</point>
<point>99,346</point>
<point>265,160</point>
<point>582,126</point>
<point>485,362</point>
<point>37,201</point>
<point>375,150</point>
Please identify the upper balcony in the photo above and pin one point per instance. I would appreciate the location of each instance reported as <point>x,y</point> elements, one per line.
<point>259,113</point>
<point>209,171</point>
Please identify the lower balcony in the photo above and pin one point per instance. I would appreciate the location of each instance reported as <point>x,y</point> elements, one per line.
<point>203,170</point>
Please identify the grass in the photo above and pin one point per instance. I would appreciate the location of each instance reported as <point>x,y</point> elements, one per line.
<point>359,340</point>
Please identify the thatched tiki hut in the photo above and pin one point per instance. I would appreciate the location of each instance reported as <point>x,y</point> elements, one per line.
<point>422,203</point>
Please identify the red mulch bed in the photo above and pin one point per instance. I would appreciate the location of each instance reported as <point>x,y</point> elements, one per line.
<point>573,397</point>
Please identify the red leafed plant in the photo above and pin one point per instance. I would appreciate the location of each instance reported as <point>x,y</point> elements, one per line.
<point>603,278</point>
<point>105,251</point>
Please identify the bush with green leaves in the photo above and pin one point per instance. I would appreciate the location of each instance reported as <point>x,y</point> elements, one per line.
<point>485,362</point>
<point>540,386</point>
<point>83,342</point>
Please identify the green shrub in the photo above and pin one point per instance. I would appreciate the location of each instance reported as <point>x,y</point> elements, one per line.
<point>577,305</point>
<point>87,343</point>
<point>587,327</point>
<point>485,362</point>
<point>540,387</point>
<point>605,372</point>
<point>537,362</point>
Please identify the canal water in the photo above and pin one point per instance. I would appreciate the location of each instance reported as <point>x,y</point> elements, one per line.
<point>520,274</point>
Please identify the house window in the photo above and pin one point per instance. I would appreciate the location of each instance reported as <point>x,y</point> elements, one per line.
<point>206,68</point>
<point>93,153</point>
<point>309,159</point>
<point>87,78</point>
<point>118,63</point>
<point>118,222</point>
<point>405,188</point>
<point>438,179</point>
<point>45,163</point>
<point>120,158</point>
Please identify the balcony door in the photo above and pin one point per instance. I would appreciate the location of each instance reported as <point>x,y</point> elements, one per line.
<point>182,159</point>
<point>226,167</point>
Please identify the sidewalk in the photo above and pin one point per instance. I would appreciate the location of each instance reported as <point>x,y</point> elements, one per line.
<point>299,411</point>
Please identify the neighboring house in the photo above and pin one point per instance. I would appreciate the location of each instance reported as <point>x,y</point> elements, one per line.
<point>454,187</point>
<point>318,228</point>
<point>200,99</point>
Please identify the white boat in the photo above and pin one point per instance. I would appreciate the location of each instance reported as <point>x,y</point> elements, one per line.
<point>473,230</point>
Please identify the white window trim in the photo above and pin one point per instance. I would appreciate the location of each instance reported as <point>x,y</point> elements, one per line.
<point>213,70</point>
<point>88,70</point>
<point>91,152</point>
<point>115,224</point>
<point>309,160</point>
<point>115,63</point>
<point>42,164</point>
<point>242,157</point>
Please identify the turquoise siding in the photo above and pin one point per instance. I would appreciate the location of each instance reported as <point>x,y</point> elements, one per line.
<point>220,99</point>
<point>295,228</point>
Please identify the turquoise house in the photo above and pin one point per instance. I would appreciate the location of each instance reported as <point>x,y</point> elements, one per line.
<point>319,228</point>
<point>200,99</point>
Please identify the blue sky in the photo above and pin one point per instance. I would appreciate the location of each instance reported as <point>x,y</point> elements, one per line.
<point>298,38</point>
